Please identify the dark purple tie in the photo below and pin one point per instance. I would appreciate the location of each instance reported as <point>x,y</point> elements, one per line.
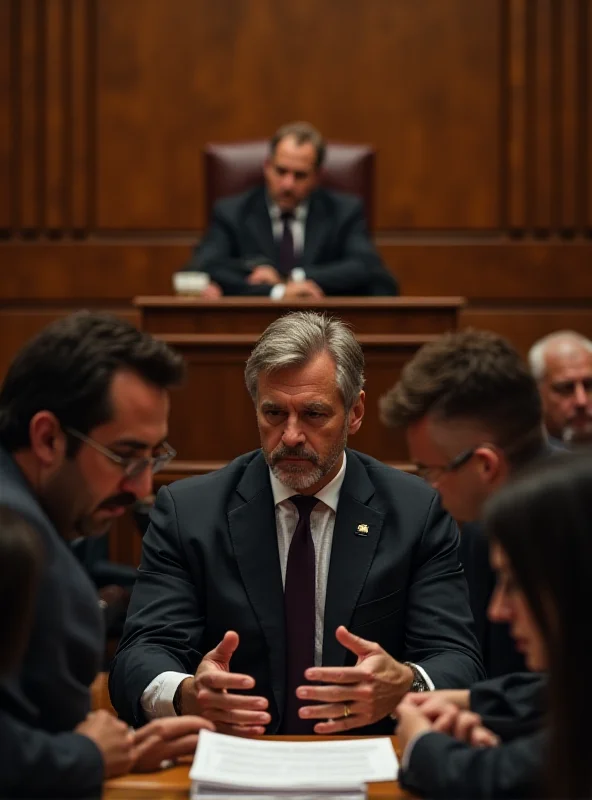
<point>286,252</point>
<point>299,603</point>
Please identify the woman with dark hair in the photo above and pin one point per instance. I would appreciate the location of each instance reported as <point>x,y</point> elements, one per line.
<point>540,529</point>
<point>20,560</point>
<point>541,548</point>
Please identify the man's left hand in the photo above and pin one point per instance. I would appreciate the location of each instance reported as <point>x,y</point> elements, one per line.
<point>355,696</point>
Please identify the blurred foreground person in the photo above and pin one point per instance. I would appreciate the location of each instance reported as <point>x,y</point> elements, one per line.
<point>541,548</point>
<point>83,420</point>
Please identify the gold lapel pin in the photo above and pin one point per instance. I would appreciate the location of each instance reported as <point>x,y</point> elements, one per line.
<point>362,530</point>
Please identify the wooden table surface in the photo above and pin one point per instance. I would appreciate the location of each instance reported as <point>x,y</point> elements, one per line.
<point>173,784</point>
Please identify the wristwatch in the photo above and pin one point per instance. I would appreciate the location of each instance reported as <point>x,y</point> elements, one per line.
<point>177,701</point>
<point>419,682</point>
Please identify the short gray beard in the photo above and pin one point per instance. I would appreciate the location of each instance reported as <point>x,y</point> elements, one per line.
<point>296,476</point>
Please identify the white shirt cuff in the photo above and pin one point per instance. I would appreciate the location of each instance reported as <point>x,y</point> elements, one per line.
<point>278,291</point>
<point>406,757</point>
<point>157,697</point>
<point>426,677</point>
<point>298,275</point>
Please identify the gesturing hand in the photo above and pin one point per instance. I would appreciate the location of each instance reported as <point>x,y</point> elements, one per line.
<point>210,694</point>
<point>355,696</point>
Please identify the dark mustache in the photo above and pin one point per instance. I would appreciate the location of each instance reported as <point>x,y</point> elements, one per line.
<point>119,500</point>
<point>294,452</point>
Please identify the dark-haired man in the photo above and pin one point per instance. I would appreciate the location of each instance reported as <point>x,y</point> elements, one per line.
<point>472,417</point>
<point>291,238</point>
<point>83,422</point>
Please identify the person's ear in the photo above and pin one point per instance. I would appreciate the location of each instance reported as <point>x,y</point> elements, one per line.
<point>356,414</point>
<point>491,463</point>
<point>47,439</point>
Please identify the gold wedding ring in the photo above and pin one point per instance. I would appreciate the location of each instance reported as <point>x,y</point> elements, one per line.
<point>346,710</point>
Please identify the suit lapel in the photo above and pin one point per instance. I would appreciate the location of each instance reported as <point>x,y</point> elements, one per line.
<point>253,533</point>
<point>355,538</point>
<point>316,230</point>
<point>258,222</point>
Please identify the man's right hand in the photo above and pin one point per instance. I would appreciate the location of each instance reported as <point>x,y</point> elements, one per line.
<point>264,273</point>
<point>209,694</point>
<point>114,739</point>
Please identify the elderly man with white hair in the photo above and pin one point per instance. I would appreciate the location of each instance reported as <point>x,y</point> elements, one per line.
<point>561,363</point>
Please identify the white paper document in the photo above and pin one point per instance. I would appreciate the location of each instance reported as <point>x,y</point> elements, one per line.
<point>232,763</point>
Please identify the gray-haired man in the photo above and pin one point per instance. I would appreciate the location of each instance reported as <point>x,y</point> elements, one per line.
<point>277,565</point>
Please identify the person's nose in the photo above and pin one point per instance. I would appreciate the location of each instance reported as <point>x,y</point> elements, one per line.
<point>498,610</point>
<point>293,434</point>
<point>580,395</point>
<point>139,485</point>
<point>287,182</point>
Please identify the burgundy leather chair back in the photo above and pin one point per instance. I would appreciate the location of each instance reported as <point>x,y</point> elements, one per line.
<point>233,168</point>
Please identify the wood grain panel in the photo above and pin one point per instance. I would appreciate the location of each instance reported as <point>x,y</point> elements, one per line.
<point>83,98</point>
<point>7,101</point>
<point>568,115</point>
<point>18,325</point>
<point>540,140</point>
<point>190,71</point>
<point>514,90</point>
<point>523,326</point>
<point>55,125</point>
<point>29,141</point>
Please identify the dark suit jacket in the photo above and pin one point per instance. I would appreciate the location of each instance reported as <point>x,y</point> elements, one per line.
<point>41,705</point>
<point>338,253</point>
<point>513,707</point>
<point>500,656</point>
<point>210,564</point>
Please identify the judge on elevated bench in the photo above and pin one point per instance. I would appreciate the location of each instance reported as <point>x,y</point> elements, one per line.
<point>289,237</point>
<point>305,586</point>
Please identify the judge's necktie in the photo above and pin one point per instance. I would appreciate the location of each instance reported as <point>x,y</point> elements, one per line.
<point>299,603</point>
<point>286,258</point>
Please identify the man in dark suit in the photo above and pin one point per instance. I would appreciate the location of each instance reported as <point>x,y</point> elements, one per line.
<point>291,238</point>
<point>83,416</point>
<point>472,416</point>
<point>277,565</point>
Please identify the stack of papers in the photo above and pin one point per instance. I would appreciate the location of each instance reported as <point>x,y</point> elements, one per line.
<point>230,766</point>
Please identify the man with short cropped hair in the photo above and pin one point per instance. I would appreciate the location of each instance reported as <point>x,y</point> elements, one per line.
<point>304,587</point>
<point>290,237</point>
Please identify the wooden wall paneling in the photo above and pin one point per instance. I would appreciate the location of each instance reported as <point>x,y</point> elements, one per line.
<point>513,92</point>
<point>523,326</point>
<point>568,116</point>
<point>55,125</point>
<point>19,324</point>
<point>542,109</point>
<point>586,103</point>
<point>7,103</point>
<point>29,140</point>
<point>82,95</point>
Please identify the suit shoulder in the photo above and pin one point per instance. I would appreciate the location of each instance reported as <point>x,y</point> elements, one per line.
<point>219,480</point>
<point>236,204</point>
<point>345,201</point>
<point>392,479</point>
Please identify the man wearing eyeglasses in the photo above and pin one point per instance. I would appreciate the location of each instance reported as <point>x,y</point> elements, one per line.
<point>83,423</point>
<point>472,417</point>
<point>562,367</point>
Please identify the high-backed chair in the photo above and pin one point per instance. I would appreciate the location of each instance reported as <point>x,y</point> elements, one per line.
<point>235,167</point>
